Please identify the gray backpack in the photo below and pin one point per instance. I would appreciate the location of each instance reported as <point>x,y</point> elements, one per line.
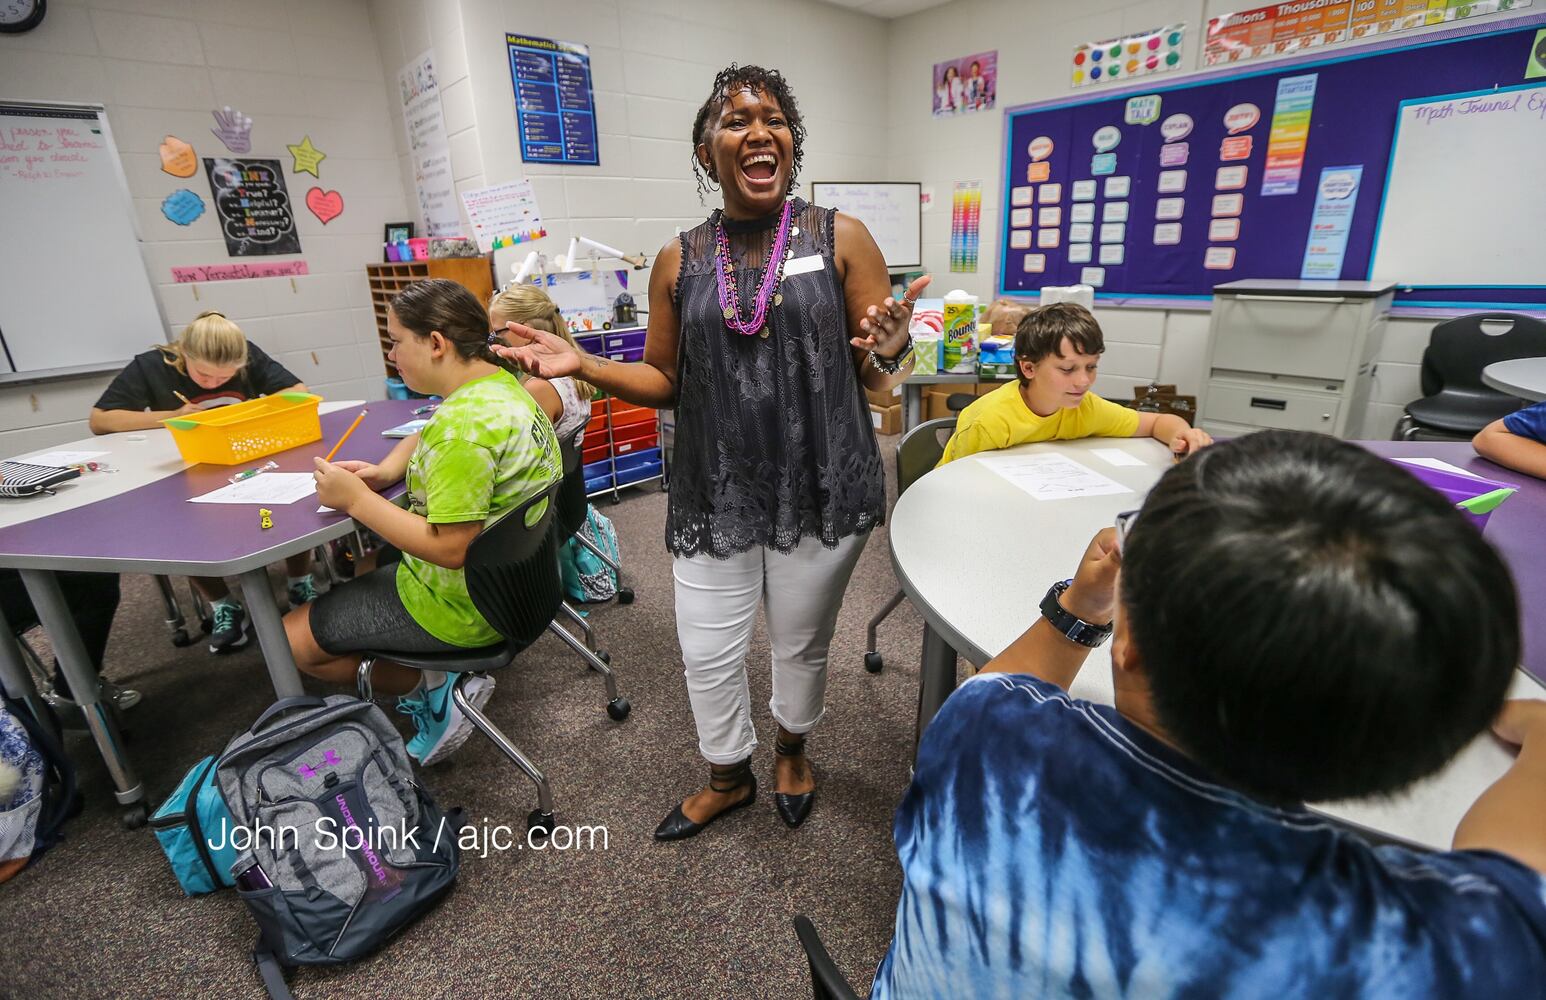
<point>345,849</point>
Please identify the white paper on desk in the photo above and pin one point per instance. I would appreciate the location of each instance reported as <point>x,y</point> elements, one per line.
<point>62,458</point>
<point>1116,456</point>
<point>1436,463</point>
<point>334,405</point>
<point>267,487</point>
<point>1052,477</point>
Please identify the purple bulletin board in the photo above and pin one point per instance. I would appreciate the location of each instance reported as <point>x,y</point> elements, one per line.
<point>1337,110</point>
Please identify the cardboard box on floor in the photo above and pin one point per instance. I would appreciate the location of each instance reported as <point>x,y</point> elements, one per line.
<point>884,397</point>
<point>934,396</point>
<point>886,419</point>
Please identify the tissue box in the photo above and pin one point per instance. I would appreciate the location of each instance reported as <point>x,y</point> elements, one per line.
<point>926,355</point>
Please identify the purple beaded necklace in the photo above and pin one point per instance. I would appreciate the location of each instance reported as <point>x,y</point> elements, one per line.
<point>767,286</point>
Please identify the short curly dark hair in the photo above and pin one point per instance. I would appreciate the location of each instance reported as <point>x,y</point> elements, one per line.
<point>733,78</point>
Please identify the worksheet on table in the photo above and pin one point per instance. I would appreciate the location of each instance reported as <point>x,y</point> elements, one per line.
<point>1051,477</point>
<point>268,487</point>
<point>63,459</point>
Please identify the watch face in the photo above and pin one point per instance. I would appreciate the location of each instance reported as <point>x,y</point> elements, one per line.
<point>20,15</point>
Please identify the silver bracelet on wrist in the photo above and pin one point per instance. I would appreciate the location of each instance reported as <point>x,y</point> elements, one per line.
<point>890,366</point>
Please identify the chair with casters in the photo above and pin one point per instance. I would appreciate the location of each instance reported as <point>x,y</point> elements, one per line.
<point>919,451</point>
<point>570,515</point>
<point>827,982</point>
<point>1456,404</point>
<point>513,580</point>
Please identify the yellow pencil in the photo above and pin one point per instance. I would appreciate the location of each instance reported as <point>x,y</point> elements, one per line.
<point>185,399</point>
<point>341,440</point>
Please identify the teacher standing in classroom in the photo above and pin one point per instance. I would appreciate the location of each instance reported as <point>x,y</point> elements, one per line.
<point>765,323</point>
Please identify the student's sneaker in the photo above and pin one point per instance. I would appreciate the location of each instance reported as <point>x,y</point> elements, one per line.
<point>442,727</point>
<point>302,592</point>
<point>230,631</point>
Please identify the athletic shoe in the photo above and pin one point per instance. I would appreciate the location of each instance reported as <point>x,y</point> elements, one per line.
<point>442,727</point>
<point>230,631</point>
<point>302,593</point>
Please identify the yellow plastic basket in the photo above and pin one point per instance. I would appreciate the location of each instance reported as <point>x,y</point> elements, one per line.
<point>241,432</point>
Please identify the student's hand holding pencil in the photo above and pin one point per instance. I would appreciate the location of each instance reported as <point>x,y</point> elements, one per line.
<point>337,487</point>
<point>370,474</point>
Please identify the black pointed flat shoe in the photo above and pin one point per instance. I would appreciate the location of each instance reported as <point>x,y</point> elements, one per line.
<point>793,809</point>
<point>678,827</point>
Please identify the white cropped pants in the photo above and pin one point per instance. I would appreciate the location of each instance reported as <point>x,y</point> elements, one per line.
<point>716,604</point>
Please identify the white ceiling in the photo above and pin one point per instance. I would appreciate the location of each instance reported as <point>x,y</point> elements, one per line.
<point>888,8</point>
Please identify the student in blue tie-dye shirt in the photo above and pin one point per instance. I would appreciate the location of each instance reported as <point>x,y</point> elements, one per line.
<point>1300,621</point>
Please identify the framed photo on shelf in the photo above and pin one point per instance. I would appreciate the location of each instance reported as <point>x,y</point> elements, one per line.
<point>397,232</point>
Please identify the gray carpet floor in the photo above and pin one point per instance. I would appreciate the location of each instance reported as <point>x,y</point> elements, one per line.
<point>101,915</point>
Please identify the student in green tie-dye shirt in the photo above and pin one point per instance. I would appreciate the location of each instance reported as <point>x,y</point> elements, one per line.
<point>487,449</point>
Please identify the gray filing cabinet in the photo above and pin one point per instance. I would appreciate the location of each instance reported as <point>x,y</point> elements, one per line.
<point>1294,355</point>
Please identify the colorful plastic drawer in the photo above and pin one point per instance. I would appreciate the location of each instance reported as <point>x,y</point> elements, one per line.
<point>594,452</point>
<point>590,343</point>
<point>627,355</point>
<point>646,438</point>
<point>593,469</point>
<point>632,415</point>
<point>595,484</point>
<point>627,463</point>
<point>623,341</point>
<point>649,470</point>
<point>596,426</point>
<point>598,407</point>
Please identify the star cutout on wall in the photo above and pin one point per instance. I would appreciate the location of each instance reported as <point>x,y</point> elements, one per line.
<point>307,158</point>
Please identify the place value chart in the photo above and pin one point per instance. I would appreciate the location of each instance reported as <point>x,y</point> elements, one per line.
<point>555,103</point>
<point>1271,173</point>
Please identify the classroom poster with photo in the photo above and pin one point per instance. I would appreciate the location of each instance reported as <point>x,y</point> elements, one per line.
<point>428,148</point>
<point>1291,27</point>
<point>967,84</point>
<point>253,206</point>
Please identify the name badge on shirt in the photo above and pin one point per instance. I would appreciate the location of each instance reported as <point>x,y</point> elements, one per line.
<point>800,265</point>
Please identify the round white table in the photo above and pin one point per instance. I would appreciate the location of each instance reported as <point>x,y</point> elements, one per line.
<point>975,553</point>
<point>1522,377</point>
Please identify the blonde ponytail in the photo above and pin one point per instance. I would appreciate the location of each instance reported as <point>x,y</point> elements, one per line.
<point>530,306</point>
<point>211,339</point>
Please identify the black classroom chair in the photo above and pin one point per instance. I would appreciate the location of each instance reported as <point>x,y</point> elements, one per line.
<point>513,580</point>
<point>827,982</point>
<point>1456,404</point>
<point>918,452</point>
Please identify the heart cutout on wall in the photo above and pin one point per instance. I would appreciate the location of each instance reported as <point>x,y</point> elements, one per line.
<point>325,205</point>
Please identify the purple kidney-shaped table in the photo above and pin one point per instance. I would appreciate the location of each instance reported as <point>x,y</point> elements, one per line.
<point>977,594</point>
<point>138,520</point>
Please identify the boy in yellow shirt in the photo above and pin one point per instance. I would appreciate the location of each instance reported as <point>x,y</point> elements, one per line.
<point>1057,349</point>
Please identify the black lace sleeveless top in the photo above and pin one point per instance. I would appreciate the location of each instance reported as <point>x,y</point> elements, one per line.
<point>773,435</point>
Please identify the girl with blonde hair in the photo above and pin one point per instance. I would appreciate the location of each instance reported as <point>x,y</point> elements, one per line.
<point>566,400</point>
<point>210,364</point>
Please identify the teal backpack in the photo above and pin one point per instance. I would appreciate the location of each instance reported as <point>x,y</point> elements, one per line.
<point>189,822</point>
<point>587,578</point>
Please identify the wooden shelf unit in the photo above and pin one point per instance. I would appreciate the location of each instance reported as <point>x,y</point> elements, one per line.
<point>386,280</point>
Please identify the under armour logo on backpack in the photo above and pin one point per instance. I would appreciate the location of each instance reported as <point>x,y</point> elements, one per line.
<point>328,757</point>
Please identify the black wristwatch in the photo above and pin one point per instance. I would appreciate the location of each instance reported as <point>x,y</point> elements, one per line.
<point>1075,628</point>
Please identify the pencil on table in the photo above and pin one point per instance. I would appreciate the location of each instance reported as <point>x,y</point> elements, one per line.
<point>185,399</point>
<point>341,440</point>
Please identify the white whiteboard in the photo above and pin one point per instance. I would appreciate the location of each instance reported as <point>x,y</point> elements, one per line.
<point>1462,205</point>
<point>74,291</point>
<point>888,209</point>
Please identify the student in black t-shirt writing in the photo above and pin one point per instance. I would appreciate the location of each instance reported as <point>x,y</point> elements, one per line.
<point>211,364</point>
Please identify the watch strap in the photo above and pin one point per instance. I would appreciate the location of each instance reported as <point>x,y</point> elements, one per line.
<point>1072,626</point>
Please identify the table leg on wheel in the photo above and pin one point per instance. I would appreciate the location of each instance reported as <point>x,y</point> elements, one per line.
<point>259,598</point>
<point>54,613</point>
<point>936,679</point>
<point>17,682</point>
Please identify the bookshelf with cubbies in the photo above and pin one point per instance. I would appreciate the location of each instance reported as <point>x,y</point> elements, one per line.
<point>386,280</point>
